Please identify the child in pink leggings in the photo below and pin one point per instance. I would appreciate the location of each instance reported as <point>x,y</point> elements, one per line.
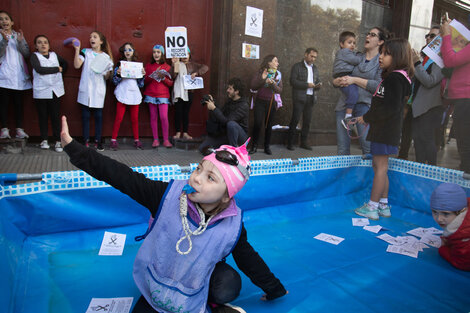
<point>128,95</point>
<point>157,94</point>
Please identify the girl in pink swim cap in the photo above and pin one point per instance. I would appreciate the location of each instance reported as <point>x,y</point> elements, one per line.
<point>195,225</point>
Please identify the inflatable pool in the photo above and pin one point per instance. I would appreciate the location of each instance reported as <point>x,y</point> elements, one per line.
<point>51,233</point>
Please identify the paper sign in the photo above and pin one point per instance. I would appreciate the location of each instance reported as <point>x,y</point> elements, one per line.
<point>329,238</point>
<point>131,69</point>
<point>190,83</point>
<point>110,305</point>
<point>403,250</point>
<point>374,229</point>
<point>460,37</point>
<point>158,75</point>
<point>112,244</point>
<point>176,42</point>
<point>254,22</point>
<point>356,221</point>
<point>250,51</point>
<point>390,239</point>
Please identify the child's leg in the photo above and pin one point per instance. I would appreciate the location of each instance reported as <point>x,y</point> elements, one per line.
<point>120,111</point>
<point>41,106</point>
<point>98,123</point>
<point>54,113</point>
<point>163,111</point>
<point>19,107</point>
<point>352,95</point>
<point>135,120</point>
<point>4,102</point>
<point>178,115</point>
<point>225,284</point>
<point>380,182</point>
<point>85,123</point>
<point>154,120</point>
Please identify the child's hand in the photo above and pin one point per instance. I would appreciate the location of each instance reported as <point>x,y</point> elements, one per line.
<point>4,34</point>
<point>360,120</point>
<point>60,69</point>
<point>143,71</point>
<point>77,47</point>
<point>264,297</point>
<point>175,60</point>
<point>20,35</point>
<point>118,70</point>
<point>65,138</point>
<point>193,75</point>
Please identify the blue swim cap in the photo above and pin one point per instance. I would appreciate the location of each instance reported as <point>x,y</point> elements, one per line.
<point>448,197</point>
<point>159,47</point>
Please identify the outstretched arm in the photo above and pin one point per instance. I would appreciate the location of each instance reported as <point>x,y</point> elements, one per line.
<point>253,266</point>
<point>145,191</point>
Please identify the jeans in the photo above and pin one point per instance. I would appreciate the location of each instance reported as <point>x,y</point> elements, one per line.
<point>461,118</point>
<point>343,140</point>
<point>235,136</point>
<point>224,286</point>
<point>86,113</point>
<point>351,94</point>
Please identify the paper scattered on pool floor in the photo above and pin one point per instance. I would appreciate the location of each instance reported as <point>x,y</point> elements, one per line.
<point>329,238</point>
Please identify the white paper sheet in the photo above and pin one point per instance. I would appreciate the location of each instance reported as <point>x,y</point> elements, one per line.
<point>254,22</point>
<point>131,69</point>
<point>373,228</point>
<point>360,221</point>
<point>110,305</point>
<point>112,244</point>
<point>402,250</point>
<point>329,238</point>
<point>196,83</point>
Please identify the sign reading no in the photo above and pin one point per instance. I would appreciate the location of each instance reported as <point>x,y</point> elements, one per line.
<point>176,42</point>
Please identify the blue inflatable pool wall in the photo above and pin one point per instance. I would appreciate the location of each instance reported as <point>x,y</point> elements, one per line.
<point>51,232</point>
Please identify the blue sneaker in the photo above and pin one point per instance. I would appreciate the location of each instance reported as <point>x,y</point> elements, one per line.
<point>367,156</point>
<point>368,212</point>
<point>384,211</point>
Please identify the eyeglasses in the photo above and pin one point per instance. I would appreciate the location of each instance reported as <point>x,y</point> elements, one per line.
<point>231,159</point>
<point>372,34</point>
<point>128,50</point>
<point>430,36</point>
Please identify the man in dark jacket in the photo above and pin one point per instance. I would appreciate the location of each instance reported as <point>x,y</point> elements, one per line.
<point>228,125</point>
<point>305,81</point>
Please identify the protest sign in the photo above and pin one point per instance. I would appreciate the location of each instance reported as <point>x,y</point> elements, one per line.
<point>176,42</point>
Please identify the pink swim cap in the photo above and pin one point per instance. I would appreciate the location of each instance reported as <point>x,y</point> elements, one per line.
<point>235,176</point>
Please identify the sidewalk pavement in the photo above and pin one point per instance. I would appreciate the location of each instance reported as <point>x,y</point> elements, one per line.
<point>35,160</point>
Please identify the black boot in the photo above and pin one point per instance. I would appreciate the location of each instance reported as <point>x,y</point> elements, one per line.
<point>267,150</point>
<point>253,149</point>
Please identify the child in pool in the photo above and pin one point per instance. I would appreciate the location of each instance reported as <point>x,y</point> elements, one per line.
<point>449,206</point>
<point>210,213</point>
<point>385,118</point>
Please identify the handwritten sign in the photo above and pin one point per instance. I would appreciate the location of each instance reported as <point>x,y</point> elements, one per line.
<point>190,83</point>
<point>131,69</point>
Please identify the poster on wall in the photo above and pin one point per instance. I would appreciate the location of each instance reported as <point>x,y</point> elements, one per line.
<point>250,51</point>
<point>176,42</point>
<point>460,37</point>
<point>254,22</point>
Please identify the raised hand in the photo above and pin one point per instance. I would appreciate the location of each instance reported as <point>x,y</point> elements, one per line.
<point>65,137</point>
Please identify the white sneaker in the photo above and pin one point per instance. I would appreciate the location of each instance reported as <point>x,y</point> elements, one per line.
<point>5,133</point>
<point>58,147</point>
<point>44,144</point>
<point>21,134</point>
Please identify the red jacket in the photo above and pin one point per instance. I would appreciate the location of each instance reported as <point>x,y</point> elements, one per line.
<point>152,87</point>
<point>457,249</point>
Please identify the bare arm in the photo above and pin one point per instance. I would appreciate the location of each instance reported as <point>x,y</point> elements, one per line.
<point>77,61</point>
